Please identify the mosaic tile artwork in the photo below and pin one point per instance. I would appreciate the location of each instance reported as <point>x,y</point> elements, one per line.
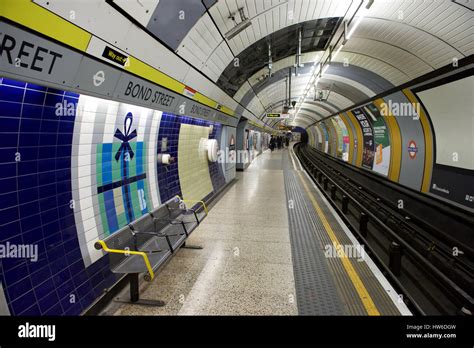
<point>121,175</point>
<point>74,169</point>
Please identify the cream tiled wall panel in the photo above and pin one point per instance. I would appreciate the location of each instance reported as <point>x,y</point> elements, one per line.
<point>193,167</point>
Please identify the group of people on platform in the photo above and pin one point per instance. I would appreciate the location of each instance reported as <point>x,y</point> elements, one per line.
<point>279,142</point>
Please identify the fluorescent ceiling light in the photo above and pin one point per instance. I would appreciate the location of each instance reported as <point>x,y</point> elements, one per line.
<point>316,82</point>
<point>238,29</point>
<point>354,27</point>
<point>244,24</point>
<point>337,52</point>
<point>325,69</point>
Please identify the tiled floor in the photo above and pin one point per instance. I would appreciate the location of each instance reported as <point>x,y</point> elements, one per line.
<point>245,267</point>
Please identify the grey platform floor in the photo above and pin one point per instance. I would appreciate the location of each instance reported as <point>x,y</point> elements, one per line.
<point>262,256</point>
<point>245,267</point>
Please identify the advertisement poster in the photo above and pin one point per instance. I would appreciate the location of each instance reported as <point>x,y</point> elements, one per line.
<point>381,140</point>
<point>332,137</point>
<point>344,139</point>
<point>232,157</point>
<point>326,137</point>
<point>319,143</point>
<point>246,139</point>
<point>368,152</point>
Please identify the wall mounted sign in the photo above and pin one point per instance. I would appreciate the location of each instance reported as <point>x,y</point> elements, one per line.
<point>114,56</point>
<point>189,92</point>
<point>278,115</point>
<point>412,149</point>
<point>28,57</point>
<point>368,152</point>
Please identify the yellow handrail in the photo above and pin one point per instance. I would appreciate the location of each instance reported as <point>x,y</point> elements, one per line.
<point>192,201</point>
<point>130,252</point>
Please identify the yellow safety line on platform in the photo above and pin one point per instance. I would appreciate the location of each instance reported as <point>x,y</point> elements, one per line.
<point>351,272</point>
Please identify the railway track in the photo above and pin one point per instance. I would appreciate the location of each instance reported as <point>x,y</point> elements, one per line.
<point>423,247</point>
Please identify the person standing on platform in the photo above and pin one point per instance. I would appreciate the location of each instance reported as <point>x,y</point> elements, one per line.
<point>271,145</point>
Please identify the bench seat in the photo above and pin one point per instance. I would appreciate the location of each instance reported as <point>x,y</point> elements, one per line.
<point>148,242</point>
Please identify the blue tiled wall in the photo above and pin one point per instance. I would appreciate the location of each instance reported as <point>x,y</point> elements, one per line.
<point>35,196</point>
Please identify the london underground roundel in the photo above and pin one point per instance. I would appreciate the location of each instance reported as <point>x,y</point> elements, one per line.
<point>412,149</point>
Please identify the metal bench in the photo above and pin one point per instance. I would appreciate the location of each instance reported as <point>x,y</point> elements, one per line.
<point>147,243</point>
<point>190,217</point>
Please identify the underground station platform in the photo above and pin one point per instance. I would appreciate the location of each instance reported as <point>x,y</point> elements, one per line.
<point>263,170</point>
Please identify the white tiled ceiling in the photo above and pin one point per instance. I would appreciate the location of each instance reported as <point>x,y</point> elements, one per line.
<point>381,68</point>
<point>142,10</point>
<point>398,39</point>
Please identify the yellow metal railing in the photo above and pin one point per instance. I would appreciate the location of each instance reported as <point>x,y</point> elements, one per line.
<point>192,201</point>
<point>130,252</point>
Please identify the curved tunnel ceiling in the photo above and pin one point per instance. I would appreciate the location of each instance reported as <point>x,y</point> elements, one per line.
<point>396,41</point>
<point>283,43</point>
<point>348,85</point>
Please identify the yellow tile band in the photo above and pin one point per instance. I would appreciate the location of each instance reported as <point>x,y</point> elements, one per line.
<point>146,71</point>
<point>35,17</point>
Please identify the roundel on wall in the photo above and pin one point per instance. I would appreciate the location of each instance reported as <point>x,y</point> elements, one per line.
<point>412,149</point>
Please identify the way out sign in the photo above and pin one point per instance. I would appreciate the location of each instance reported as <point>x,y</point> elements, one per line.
<point>278,115</point>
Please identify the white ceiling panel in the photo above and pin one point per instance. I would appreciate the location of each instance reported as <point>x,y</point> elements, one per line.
<point>381,68</point>
<point>398,40</point>
<point>140,10</point>
<point>336,78</point>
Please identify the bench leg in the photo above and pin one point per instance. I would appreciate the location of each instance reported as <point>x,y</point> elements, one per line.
<point>134,287</point>
<point>195,247</point>
<point>135,294</point>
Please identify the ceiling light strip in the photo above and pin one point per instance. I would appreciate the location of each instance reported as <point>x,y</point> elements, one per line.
<point>321,68</point>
